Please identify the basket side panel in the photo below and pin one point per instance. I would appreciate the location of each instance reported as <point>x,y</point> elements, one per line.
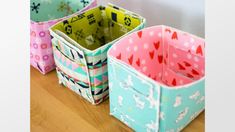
<point>133,100</point>
<point>180,106</point>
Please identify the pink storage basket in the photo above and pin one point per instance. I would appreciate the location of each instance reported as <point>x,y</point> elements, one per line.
<point>41,55</point>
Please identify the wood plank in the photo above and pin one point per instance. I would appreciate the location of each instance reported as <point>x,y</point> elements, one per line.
<point>55,108</point>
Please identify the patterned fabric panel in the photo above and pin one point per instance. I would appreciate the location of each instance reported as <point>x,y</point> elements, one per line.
<point>95,97</point>
<point>78,69</point>
<point>163,55</point>
<point>46,10</point>
<point>150,68</point>
<point>84,40</point>
<point>180,106</point>
<point>97,76</point>
<point>134,98</point>
<point>172,109</point>
<point>74,85</point>
<point>42,17</point>
<point>96,28</point>
<point>41,55</point>
<point>77,55</point>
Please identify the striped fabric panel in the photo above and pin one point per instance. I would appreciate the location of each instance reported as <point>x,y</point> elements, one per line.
<point>77,73</point>
<point>71,53</point>
<point>97,76</point>
<point>97,72</point>
<point>97,64</point>
<point>96,81</point>
<point>102,77</point>
<point>99,99</point>
<point>97,93</point>
<point>74,87</point>
<point>72,79</point>
<point>71,73</point>
<point>93,62</point>
<point>101,86</point>
<point>100,54</point>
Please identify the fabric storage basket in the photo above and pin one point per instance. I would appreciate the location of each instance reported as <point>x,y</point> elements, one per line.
<point>80,46</point>
<point>43,15</point>
<point>156,79</point>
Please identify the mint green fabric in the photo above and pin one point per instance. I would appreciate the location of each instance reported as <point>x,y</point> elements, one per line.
<point>148,106</point>
<point>45,10</point>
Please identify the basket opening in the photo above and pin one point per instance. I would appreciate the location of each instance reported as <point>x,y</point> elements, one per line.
<point>164,54</point>
<point>46,10</point>
<point>98,26</point>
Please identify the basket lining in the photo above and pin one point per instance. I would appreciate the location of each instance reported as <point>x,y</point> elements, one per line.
<point>41,11</point>
<point>99,26</point>
<point>164,54</point>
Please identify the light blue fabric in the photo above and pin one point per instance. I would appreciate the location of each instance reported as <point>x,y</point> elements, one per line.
<point>45,10</point>
<point>130,101</point>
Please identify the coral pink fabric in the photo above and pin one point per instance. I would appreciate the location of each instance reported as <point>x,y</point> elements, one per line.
<point>164,54</point>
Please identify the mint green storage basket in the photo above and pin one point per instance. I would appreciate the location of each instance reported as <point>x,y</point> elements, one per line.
<point>80,45</point>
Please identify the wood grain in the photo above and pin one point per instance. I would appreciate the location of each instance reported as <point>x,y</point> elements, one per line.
<point>55,108</point>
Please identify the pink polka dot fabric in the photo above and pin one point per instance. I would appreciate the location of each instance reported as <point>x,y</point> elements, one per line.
<point>167,55</point>
<point>41,54</point>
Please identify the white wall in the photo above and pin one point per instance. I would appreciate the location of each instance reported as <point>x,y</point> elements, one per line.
<point>186,15</point>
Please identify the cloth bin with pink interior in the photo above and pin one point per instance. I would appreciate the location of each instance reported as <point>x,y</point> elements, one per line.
<point>156,79</point>
<point>44,14</point>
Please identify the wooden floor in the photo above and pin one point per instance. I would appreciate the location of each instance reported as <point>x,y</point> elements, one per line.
<point>55,108</point>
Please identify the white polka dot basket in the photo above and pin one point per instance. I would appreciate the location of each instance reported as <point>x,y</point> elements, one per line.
<point>43,15</point>
<point>156,79</point>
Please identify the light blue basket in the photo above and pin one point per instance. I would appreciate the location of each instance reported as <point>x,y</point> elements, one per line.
<point>148,105</point>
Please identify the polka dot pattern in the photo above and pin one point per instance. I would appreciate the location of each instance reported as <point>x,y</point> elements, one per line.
<point>35,46</point>
<point>43,46</point>
<point>42,34</point>
<point>47,68</point>
<point>45,57</point>
<point>41,54</point>
<point>33,34</point>
<point>37,57</point>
